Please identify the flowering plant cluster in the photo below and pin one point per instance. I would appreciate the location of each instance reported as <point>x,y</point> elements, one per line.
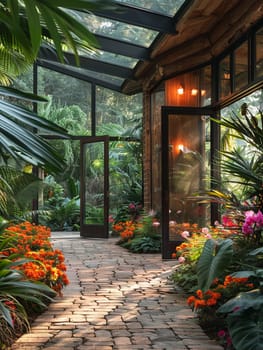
<point>44,263</point>
<point>253,225</point>
<point>140,235</point>
<point>194,239</point>
<point>125,229</point>
<point>219,292</point>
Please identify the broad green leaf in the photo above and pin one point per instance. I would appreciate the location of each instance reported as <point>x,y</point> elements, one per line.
<point>246,334</point>
<point>5,313</point>
<point>33,24</point>
<point>215,257</point>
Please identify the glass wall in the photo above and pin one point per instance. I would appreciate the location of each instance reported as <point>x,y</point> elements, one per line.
<point>189,89</point>
<point>241,66</point>
<point>259,53</point>
<point>70,101</point>
<point>118,114</point>
<point>224,77</point>
<point>252,103</point>
<point>189,169</point>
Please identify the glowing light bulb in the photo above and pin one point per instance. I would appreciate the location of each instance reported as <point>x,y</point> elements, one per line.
<point>180,90</point>
<point>181,147</point>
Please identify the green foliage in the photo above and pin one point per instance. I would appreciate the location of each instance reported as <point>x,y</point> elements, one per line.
<point>14,286</point>
<point>17,190</point>
<point>241,165</point>
<point>94,215</point>
<point>60,212</point>
<point>185,276</point>
<point>245,320</point>
<point>19,140</point>
<point>215,257</point>
<point>141,235</point>
<point>144,244</point>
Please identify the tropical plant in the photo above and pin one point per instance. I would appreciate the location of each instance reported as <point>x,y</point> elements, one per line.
<point>243,163</point>
<point>243,312</point>
<point>245,320</point>
<point>214,259</point>
<point>140,235</point>
<point>25,26</point>
<point>17,188</point>
<point>60,211</point>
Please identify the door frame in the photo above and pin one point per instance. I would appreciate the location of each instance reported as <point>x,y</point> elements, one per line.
<point>168,247</point>
<point>94,230</point>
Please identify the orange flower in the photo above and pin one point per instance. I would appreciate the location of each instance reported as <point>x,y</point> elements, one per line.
<point>32,241</point>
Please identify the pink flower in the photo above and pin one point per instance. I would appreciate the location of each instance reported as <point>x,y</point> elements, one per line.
<point>221,333</point>
<point>227,221</point>
<point>252,221</point>
<point>205,230</point>
<point>185,234</point>
<point>111,219</point>
<point>181,259</point>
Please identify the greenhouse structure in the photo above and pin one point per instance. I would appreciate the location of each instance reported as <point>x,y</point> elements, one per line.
<point>173,66</point>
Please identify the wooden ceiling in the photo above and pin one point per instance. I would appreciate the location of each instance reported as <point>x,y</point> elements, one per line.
<point>205,30</point>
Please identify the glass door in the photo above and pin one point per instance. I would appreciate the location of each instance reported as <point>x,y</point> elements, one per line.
<point>186,159</point>
<point>94,187</point>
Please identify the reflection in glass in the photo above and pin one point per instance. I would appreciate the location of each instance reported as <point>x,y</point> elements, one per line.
<point>115,113</point>
<point>70,99</point>
<point>188,171</point>
<point>117,30</point>
<point>189,89</point>
<point>109,57</point>
<point>94,183</point>
<point>259,53</point>
<point>241,66</point>
<point>224,77</point>
<point>162,6</point>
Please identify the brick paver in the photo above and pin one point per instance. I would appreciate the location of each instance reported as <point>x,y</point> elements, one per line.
<point>115,300</point>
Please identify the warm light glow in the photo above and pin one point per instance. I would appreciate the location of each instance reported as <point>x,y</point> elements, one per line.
<point>180,90</point>
<point>203,92</point>
<point>194,92</point>
<point>181,147</point>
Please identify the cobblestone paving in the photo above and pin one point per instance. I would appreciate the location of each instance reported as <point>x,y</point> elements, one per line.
<point>115,300</point>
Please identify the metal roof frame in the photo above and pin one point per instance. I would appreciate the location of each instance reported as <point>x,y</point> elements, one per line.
<point>128,14</point>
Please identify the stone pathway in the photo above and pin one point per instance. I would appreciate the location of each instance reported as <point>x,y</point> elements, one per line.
<point>115,300</point>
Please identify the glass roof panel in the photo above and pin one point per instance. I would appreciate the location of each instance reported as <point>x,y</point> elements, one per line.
<point>117,30</point>
<point>108,57</point>
<point>162,6</point>
<point>100,76</point>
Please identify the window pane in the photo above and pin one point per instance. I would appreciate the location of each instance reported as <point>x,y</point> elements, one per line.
<point>205,85</point>
<point>110,58</point>
<point>189,89</point>
<point>117,30</point>
<point>118,114</point>
<point>259,53</point>
<point>70,101</point>
<point>188,167</point>
<point>162,6</point>
<point>254,102</point>
<point>24,83</point>
<point>241,66</point>
<point>224,77</point>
